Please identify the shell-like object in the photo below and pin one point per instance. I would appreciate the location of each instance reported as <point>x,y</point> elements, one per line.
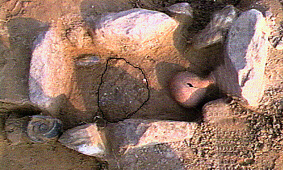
<point>44,128</point>
<point>188,89</point>
<point>87,139</point>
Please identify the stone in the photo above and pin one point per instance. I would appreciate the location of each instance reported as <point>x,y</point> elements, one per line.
<point>133,30</point>
<point>247,48</point>
<point>137,133</point>
<point>32,129</point>
<point>117,142</point>
<point>216,30</point>
<point>52,68</point>
<point>56,54</point>
<point>183,8</point>
<point>44,129</point>
<point>87,139</point>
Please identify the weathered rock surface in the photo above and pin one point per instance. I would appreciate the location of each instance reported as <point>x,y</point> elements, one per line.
<point>133,30</point>
<point>87,139</point>
<point>139,133</point>
<point>57,53</point>
<point>44,129</point>
<point>183,8</point>
<point>247,48</point>
<point>217,28</point>
<point>216,111</point>
<point>121,94</point>
<point>231,136</point>
<point>52,67</point>
<point>127,138</point>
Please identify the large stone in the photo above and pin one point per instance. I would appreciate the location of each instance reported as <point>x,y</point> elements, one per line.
<point>133,30</point>
<point>217,28</point>
<point>118,142</point>
<point>53,79</point>
<point>133,133</point>
<point>247,48</point>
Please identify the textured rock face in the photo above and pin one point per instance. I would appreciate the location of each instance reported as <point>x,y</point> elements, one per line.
<point>52,79</point>
<point>247,48</point>
<point>40,73</point>
<point>139,133</point>
<point>135,29</point>
<point>216,111</point>
<point>51,71</point>
<point>144,144</point>
<point>232,135</point>
<point>87,139</point>
<point>128,139</point>
<point>215,31</point>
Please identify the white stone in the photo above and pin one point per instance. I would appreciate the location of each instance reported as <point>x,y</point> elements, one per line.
<point>247,48</point>
<point>135,29</point>
<point>87,139</point>
<point>53,61</point>
<point>91,140</point>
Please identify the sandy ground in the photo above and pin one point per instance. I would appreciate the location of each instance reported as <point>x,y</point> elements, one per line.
<point>26,19</point>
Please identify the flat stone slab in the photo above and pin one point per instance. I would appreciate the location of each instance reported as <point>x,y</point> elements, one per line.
<point>247,48</point>
<point>140,133</point>
<point>119,141</point>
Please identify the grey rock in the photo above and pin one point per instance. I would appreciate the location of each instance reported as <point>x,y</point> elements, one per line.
<point>217,28</point>
<point>136,133</point>
<point>87,60</point>
<point>87,139</point>
<point>123,143</point>
<point>247,48</point>
<point>44,128</point>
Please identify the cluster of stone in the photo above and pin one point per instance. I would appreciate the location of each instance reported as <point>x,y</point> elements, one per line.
<point>52,76</point>
<point>245,55</point>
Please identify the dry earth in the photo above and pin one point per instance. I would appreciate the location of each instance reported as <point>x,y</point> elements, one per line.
<point>262,141</point>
